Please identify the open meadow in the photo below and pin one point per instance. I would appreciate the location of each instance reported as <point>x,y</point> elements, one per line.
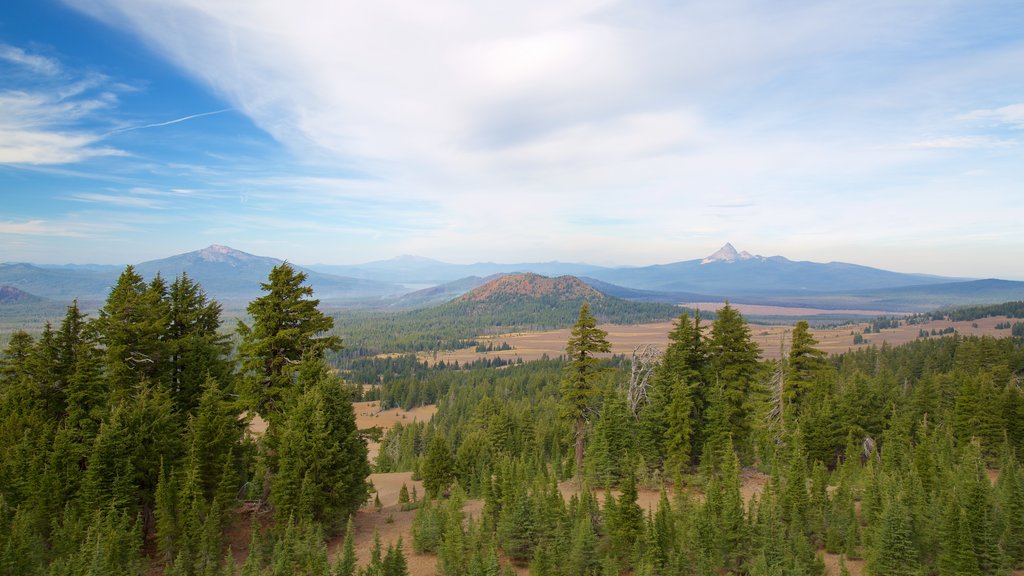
<point>772,339</point>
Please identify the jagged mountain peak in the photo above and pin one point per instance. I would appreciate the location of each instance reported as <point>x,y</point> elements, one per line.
<point>728,253</point>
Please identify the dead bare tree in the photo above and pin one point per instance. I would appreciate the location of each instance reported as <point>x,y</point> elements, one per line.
<point>777,387</point>
<point>645,359</point>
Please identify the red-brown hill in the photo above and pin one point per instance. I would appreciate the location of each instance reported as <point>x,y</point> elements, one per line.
<point>532,286</point>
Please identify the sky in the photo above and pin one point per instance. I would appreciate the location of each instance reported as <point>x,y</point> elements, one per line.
<point>880,132</point>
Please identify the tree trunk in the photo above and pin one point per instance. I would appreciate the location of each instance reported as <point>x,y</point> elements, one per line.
<point>580,424</point>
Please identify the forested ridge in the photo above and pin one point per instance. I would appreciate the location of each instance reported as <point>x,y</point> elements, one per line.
<point>124,448</point>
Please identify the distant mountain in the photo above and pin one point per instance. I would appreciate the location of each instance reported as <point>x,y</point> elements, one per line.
<point>729,254</point>
<point>10,295</point>
<point>728,274</point>
<point>418,270</point>
<point>646,295</point>
<point>232,275</point>
<point>60,284</point>
<point>933,296</point>
<point>439,294</point>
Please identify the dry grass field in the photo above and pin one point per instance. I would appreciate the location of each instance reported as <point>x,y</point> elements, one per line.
<point>624,339</point>
<point>369,415</point>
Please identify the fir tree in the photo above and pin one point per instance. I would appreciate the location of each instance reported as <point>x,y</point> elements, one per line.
<point>579,381</point>
<point>321,460</point>
<point>735,367</point>
<point>287,327</point>
<point>805,364</point>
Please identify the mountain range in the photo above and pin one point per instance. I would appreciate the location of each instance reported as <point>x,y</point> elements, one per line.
<point>234,277</point>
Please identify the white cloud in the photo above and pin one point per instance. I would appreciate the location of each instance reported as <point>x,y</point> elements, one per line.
<point>117,200</point>
<point>34,62</point>
<point>957,142</point>
<point>42,147</point>
<point>45,228</point>
<point>40,121</point>
<point>1012,115</point>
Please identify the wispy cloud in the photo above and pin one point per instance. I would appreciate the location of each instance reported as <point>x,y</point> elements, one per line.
<point>34,62</point>
<point>958,143</point>
<point>166,123</point>
<point>118,200</point>
<point>42,119</point>
<point>1011,115</point>
<point>48,228</point>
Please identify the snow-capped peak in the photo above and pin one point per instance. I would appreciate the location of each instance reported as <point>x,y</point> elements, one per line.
<point>728,254</point>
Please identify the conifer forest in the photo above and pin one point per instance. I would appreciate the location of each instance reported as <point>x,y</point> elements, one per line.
<point>127,447</point>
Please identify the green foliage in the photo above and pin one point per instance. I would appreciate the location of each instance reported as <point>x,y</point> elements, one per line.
<point>286,328</point>
<point>437,468</point>
<point>321,459</point>
<point>578,384</point>
<point>806,363</point>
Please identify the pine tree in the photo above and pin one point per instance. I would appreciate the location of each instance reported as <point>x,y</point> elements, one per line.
<point>735,367</point>
<point>805,365</point>
<point>321,459</point>
<point>213,434</point>
<point>346,566</point>
<point>130,328</point>
<point>892,551</point>
<point>394,561</point>
<point>579,381</point>
<point>195,349</point>
<point>437,465</point>
<point>14,360</point>
<point>287,327</point>
<point>624,521</point>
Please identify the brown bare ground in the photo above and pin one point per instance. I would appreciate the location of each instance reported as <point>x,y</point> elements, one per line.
<point>856,567</point>
<point>772,339</point>
<point>369,414</point>
<point>391,523</point>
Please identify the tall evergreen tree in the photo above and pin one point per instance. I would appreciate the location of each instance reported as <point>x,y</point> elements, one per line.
<point>321,459</point>
<point>130,326</point>
<point>286,327</point>
<point>579,382</point>
<point>195,349</point>
<point>735,368</point>
<point>805,364</point>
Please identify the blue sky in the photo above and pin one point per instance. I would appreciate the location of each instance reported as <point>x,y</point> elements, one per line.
<point>884,133</point>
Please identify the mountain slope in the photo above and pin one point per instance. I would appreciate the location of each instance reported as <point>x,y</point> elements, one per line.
<point>229,274</point>
<point>9,295</point>
<point>439,294</point>
<point>728,273</point>
<point>58,284</point>
<point>534,300</point>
